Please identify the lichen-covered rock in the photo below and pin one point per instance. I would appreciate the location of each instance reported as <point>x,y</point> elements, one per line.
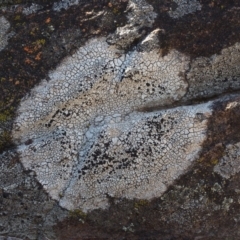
<point>185,7</point>
<point>98,66</point>
<point>65,4</point>
<point>214,75</point>
<point>33,8</point>
<point>141,15</point>
<point>25,209</point>
<point>73,113</point>
<point>123,117</point>
<point>128,157</point>
<point>229,164</point>
<point>4,34</point>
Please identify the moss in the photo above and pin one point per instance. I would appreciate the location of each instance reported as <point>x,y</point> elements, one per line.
<point>5,140</point>
<point>17,18</point>
<point>205,161</point>
<point>214,161</point>
<point>141,203</point>
<point>40,42</point>
<point>34,31</point>
<point>116,11</point>
<point>77,214</point>
<point>6,115</point>
<point>211,158</point>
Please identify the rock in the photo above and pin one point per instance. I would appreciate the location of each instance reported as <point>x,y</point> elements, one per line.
<point>229,164</point>
<point>185,7</point>
<point>124,121</point>
<point>4,35</point>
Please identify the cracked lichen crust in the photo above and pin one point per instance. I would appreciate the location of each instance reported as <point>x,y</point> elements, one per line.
<point>4,35</point>
<point>211,76</point>
<point>103,78</point>
<point>86,130</point>
<point>96,92</point>
<point>185,7</point>
<point>137,156</point>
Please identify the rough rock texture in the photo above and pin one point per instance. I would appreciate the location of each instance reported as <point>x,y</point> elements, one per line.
<point>4,35</point>
<point>120,119</point>
<point>26,210</point>
<point>228,165</point>
<point>141,15</point>
<point>215,75</point>
<point>185,7</point>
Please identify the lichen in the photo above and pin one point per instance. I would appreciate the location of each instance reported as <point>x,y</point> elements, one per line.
<point>77,214</point>
<point>17,18</point>
<point>4,34</point>
<point>6,114</point>
<point>185,7</point>
<point>95,127</point>
<point>97,119</point>
<point>229,164</point>
<point>140,203</point>
<point>40,42</point>
<point>5,140</point>
<point>141,15</point>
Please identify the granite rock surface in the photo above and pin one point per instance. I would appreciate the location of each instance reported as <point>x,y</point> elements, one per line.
<point>120,119</point>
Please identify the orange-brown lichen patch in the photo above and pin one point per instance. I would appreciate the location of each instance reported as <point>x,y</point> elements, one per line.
<point>48,20</point>
<point>28,61</point>
<point>28,49</point>
<point>38,56</point>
